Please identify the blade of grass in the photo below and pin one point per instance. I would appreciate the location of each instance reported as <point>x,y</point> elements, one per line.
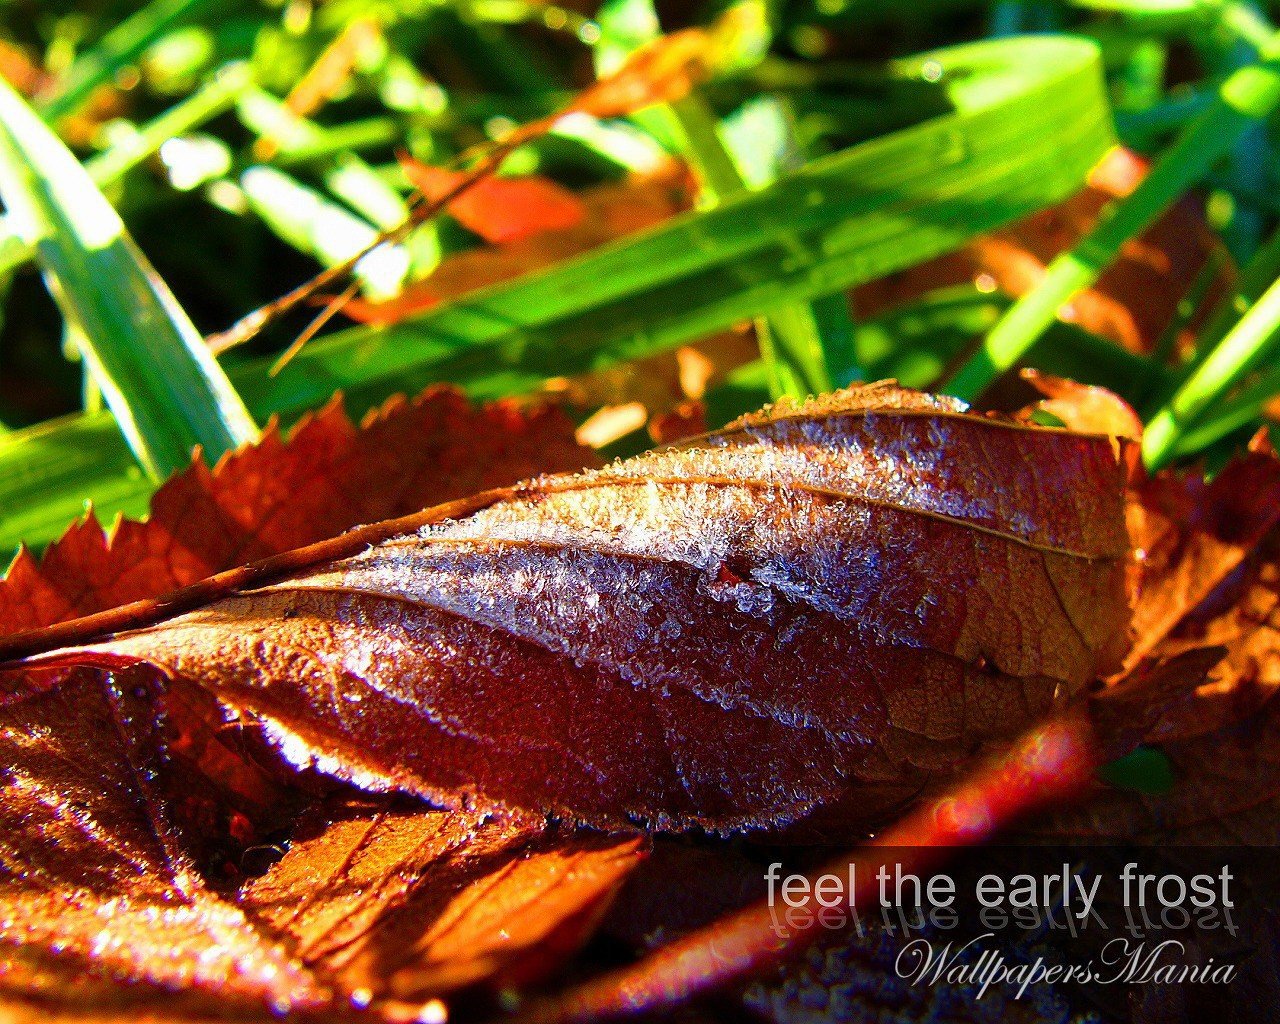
<point>840,220</point>
<point>1241,410</point>
<point>1243,347</point>
<point>165,390</point>
<point>1244,98</point>
<point>206,103</point>
<point>1030,119</point>
<point>109,167</point>
<point>116,49</point>
<point>794,339</point>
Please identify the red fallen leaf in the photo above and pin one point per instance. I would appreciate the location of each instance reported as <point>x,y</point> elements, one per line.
<point>280,494</point>
<point>1205,688</point>
<point>403,904</point>
<point>1190,534</point>
<point>686,420</point>
<point>610,212</point>
<point>859,590</point>
<point>499,210</point>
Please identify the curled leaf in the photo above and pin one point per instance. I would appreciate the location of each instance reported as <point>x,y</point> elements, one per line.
<point>1085,407</point>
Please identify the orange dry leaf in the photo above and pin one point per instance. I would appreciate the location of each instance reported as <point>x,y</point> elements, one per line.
<point>1190,534</point>
<point>401,903</point>
<point>326,78</point>
<point>1203,678</point>
<point>1084,407</point>
<point>499,210</point>
<point>662,71</point>
<point>102,905</point>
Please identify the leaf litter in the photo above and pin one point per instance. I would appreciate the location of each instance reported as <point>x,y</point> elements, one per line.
<point>493,850</point>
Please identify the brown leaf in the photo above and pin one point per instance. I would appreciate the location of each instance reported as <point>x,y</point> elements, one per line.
<point>1134,301</point>
<point>1085,407</point>
<point>661,71</point>
<point>404,903</point>
<point>1204,687</point>
<point>1190,534</point>
<point>859,591</point>
<point>327,477</point>
<point>1226,793</point>
<point>100,904</point>
<point>333,70</point>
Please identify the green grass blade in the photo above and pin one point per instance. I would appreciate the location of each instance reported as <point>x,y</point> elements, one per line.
<point>110,166</point>
<point>1235,355</point>
<point>1024,135</point>
<point>794,339</point>
<point>166,391</point>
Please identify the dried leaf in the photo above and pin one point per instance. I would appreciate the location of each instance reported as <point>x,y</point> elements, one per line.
<point>1190,534</point>
<point>404,903</point>
<point>281,494</point>
<point>1204,687</point>
<point>98,903</point>
<point>500,210</point>
<point>662,71</point>
<point>860,591</point>
<point>330,74</point>
<point>1085,407</point>
<point>1226,793</point>
<point>101,905</point>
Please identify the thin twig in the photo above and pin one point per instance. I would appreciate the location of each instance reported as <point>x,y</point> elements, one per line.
<point>330,310</point>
